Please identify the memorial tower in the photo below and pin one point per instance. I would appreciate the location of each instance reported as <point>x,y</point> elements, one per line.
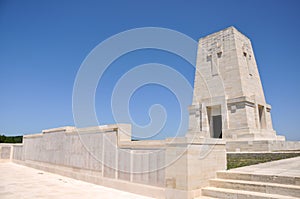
<point>228,99</point>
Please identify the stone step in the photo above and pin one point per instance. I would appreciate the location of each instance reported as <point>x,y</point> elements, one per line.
<point>263,187</point>
<point>269,178</point>
<point>240,194</point>
<point>205,197</point>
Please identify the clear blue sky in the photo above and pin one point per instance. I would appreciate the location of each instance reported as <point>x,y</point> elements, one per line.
<point>43,43</point>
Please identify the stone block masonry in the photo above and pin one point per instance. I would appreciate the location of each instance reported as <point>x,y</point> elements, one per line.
<point>228,93</point>
<point>105,155</point>
<point>229,101</point>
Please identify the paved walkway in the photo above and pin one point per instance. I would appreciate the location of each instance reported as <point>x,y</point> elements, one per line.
<point>286,167</point>
<point>17,181</point>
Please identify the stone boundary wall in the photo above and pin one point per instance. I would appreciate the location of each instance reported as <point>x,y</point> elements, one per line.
<point>263,146</point>
<point>92,154</point>
<point>105,155</point>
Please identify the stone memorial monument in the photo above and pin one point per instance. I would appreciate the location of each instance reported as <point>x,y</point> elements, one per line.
<point>228,100</point>
<point>228,113</point>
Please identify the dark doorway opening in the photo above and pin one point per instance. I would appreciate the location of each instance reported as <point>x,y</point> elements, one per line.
<point>217,126</point>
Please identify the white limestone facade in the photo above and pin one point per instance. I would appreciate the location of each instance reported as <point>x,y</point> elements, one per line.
<point>228,99</point>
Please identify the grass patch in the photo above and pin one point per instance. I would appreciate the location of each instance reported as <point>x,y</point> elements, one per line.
<point>235,160</point>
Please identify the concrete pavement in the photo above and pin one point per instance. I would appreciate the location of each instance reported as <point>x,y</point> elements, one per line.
<point>18,181</point>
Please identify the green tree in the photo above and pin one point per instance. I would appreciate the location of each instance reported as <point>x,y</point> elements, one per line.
<point>11,139</point>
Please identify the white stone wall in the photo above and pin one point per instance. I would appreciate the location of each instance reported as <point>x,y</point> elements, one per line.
<point>95,151</point>
<point>196,163</point>
<point>18,152</point>
<point>250,79</point>
<point>104,156</point>
<point>5,152</point>
<point>218,75</point>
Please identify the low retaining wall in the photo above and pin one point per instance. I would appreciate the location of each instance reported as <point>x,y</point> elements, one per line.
<point>171,168</point>
<point>263,146</point>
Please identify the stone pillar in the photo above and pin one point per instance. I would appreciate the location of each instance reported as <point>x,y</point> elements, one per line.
<point>190,165</point>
